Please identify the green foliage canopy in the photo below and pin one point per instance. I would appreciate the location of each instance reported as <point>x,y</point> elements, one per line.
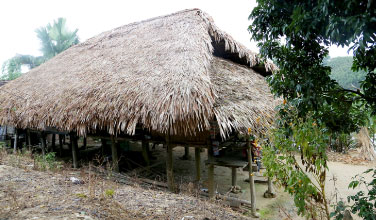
<point>296,35</point>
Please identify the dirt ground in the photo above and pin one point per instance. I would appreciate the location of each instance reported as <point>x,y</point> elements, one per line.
<point>29,194</point>
<point>342,168</point>
<point>269,208</point>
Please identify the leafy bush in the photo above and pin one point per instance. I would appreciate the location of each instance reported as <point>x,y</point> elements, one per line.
<point>47,162</point>
<point>364,203</point>
<point>296,157</point>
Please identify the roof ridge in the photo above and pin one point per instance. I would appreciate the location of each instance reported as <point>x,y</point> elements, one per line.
<point>158,17</point>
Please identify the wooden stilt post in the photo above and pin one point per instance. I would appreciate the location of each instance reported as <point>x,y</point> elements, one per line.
<point>53,140</point>
<point>114,151</point>
<point>186,155</point>
<point>211,188</point>
<point>15,140</point>
<point>60,144</point>
<point>43,142</point>
<point>145,152</point>
<point>169,165</point>
<point>74,144</point>
<point>70,143</point>
<point>103,146</point>
<point>85,143</point>
<point>234,177</point>
<point>251,180</point>
<point>198,163</point>
<point>28,139</point>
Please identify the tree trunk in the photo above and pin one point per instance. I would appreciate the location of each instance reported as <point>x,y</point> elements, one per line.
<point>367,147</point>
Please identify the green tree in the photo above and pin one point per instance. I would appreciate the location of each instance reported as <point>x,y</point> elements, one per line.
<point>296,35</point>
<point>54,39</point>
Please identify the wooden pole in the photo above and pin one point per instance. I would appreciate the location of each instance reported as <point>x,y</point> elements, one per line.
<point>103,146</point>
<point>169,166</point>
<point>28,139</point>
<point>70,142</point>
<point>53,140</point>
<point>198,163</point>
<point>186,155</point>
<point>74,144</point>
<point>85,143</point>
<point>114,151</point>
<point>60,144</point>
<point>210,173</point>
<point>251,180</point>
<point>43,142</point>
<point>15,140</point>
<point>145,152</point>
<point>234,177</point>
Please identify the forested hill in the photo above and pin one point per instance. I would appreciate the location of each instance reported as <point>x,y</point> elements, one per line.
<point>342,73</point>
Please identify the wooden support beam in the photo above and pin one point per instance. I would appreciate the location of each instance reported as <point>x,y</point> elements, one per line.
<point>43,143</point>
<point>70,143</point>
<point>53,140</point>
<point>85,143</point>
<point>186,155</point>
<point>114,151</point>
<point>28,139</point>
<point>211,188</point>
<point>169,166</point>
<point>198,164</point>
<point>15,140</point>
<point>74,144</point>
<point>159,141</point>
<point>251,181</point>
<point>145,152</point>
<point>103,146</point>
<point>61,144</point>
<point>233,176</point>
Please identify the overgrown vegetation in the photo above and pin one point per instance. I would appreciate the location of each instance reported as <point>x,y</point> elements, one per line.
<point>364,202</point>
<point>296,35</point>
<point>296,157</point>
<point>46,162</point>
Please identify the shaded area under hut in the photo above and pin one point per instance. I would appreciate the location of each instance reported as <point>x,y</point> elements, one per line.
<point>175,80</point>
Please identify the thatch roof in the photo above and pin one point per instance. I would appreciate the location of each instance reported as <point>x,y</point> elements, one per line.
<point>162,74</point>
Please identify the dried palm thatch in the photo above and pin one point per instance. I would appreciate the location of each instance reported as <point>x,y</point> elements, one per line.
<point>161,74</point>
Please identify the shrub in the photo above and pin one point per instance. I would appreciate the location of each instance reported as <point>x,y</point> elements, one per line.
<point>364,202</point>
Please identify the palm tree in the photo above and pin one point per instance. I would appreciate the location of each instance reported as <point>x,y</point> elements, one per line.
<point>54,39</point>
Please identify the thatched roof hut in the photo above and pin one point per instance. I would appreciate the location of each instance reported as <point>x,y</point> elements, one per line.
<point>170,74</point>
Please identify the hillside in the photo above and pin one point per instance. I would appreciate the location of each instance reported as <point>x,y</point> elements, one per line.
<point>342,73</point>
